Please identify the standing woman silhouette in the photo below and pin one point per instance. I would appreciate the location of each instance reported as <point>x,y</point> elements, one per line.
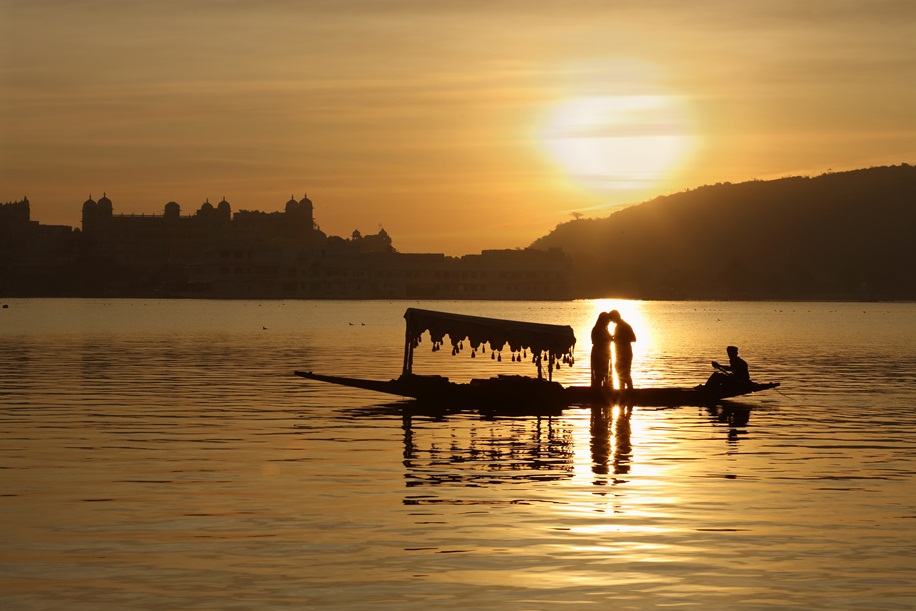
<point>601,352</point>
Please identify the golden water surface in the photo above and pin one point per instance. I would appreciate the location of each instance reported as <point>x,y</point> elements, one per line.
<point>162,455</point>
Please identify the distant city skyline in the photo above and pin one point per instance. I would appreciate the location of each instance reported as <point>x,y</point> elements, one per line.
<point>458,127</point>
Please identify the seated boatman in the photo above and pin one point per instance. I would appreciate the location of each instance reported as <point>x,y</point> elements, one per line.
<point>734,374</point>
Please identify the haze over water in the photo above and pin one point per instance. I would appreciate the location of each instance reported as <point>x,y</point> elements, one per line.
<point>162,455</point>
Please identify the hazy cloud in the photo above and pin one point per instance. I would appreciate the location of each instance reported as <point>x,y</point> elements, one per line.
<point>400,95</point>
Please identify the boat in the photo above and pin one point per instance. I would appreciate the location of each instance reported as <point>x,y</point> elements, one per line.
<point>549,346</point>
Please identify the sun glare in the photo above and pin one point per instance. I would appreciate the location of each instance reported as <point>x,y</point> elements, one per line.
<point>618,142</point>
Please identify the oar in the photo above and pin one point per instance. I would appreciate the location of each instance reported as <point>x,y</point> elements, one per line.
<point>784,394</point>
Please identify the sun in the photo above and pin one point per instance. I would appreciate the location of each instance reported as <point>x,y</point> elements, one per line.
<point>618,142</point>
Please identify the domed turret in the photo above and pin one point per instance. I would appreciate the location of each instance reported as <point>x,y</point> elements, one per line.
<point>105,207</point>
<point>224,210</point>
<point>172,210</point>
<point>292,205</point>
<point>206,207</point>
<point>90,215</point>
<point>308,213</point>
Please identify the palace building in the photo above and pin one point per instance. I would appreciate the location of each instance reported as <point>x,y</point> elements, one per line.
<point>218,253</point>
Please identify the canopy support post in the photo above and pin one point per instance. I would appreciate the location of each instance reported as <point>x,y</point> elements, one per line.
<point>408,354</point>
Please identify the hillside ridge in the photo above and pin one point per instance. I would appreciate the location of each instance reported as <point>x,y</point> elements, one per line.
<point>842,235</point>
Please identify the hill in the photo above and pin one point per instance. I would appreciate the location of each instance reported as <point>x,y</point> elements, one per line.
<point>846,235</point>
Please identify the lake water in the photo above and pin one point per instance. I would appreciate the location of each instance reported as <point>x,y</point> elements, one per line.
<point>162,455</point>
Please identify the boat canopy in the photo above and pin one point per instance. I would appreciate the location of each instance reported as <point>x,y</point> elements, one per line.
<point>555,341</point>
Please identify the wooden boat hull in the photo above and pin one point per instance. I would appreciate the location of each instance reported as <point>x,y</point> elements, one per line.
<point>665,396</point>
<point>512,392</point>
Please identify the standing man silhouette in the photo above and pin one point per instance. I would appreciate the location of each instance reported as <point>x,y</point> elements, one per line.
<point>623,339</point>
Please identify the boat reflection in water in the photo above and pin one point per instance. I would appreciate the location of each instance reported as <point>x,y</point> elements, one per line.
<point>480,448</point>
<point>610,442</point>
<point>732,414</point>
<point>486,452</point>
<point>735,415</point>
<point>483,448</point>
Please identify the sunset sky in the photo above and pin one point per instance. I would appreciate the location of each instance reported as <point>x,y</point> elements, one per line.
<point>457,126</point>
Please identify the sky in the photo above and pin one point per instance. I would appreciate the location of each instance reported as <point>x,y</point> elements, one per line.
<point>457,126</point>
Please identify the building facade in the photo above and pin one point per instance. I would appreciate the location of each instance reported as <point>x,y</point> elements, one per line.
<point>218,253</point>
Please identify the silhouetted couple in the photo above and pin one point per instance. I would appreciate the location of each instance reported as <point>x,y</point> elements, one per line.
<point>733,375</point>
<point>622,338</point>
